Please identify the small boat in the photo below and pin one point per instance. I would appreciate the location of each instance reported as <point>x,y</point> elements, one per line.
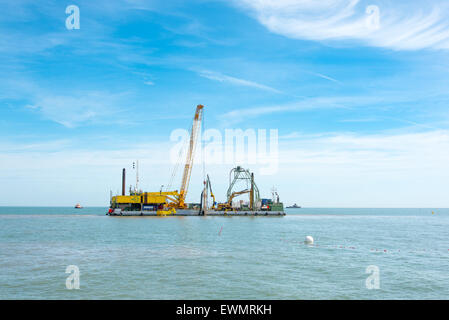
<point>294,206</point>
<point>78,206</point>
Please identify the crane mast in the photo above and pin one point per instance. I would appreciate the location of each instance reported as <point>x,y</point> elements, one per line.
<point>190,156</point>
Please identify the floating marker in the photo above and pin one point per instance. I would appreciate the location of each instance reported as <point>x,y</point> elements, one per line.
<point>309,240</point>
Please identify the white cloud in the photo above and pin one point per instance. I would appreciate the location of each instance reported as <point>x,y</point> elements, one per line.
<point>378,170</point>
<point>73,110</point>
<point>236,81</point>
<point>323,76</point>
<point>403,25</point>
<point>42,169</point>
<point>358,170</point>
<point>37,146</point>
<point>240,115</point>
<point>68,107</point>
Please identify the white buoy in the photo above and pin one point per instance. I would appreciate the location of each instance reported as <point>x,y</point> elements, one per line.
<point>309,240</point>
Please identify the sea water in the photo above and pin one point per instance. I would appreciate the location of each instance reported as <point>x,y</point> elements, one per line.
<point>357,254</point>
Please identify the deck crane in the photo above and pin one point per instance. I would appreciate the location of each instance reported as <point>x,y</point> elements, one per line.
<point>178,198</point>
<point>175,199</point>
<point>190,155</point>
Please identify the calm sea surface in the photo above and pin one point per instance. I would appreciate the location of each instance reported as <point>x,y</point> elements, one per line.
<point>224,257</point>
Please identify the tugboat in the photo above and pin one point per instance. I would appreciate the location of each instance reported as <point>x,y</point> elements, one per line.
<point>295,206</point>
<point>78,206</point>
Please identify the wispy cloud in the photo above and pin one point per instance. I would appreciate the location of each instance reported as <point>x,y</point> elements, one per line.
<point>384,169</point>
<point>403,25</point>
<point>371,170</point>
<point>216,76</point>
<point>382,151</point>
<point>360,120</point>
<point>236,116</point>
<point>41,146</point>
<point>323,76</point>
<point>78,109</point>
<point>69,107</point>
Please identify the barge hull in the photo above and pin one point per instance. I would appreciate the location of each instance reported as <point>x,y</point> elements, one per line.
<point>183,213</point>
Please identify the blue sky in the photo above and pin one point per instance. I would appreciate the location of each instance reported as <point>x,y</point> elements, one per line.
<point>362,113</point>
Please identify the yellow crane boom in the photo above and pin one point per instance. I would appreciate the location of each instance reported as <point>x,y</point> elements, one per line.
<point>196,125</point>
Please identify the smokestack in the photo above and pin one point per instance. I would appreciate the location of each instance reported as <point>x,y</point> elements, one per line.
<point>123,181</point>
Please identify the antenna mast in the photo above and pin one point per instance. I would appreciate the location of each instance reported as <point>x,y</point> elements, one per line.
<point>136,166</point>
<point>137,176</point>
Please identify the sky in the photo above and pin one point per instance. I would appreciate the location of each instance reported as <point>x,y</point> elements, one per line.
<point>357,91</point>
